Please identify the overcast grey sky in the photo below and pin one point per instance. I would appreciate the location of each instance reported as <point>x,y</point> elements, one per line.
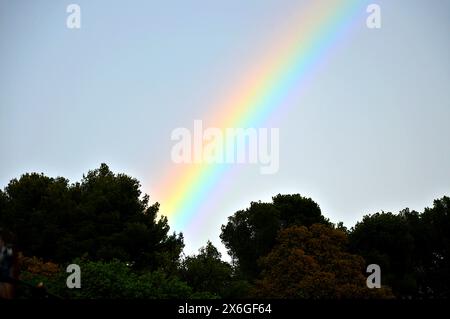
<point>370,133</point>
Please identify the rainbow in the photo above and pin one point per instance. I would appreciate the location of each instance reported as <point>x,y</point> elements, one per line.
<point>306,43</point>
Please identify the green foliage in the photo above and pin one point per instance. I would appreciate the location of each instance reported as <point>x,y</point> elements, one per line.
<point>434,250</point>
<point>125,249</point>
<point>251,233</point>
<point>412,249</point>
<point>103,217</point>
<point>298,210</point>
<point>313,263</point>
<point>113,280</point>
<point>206,272</point>
<point>386,239</point>
<point>34,209</point>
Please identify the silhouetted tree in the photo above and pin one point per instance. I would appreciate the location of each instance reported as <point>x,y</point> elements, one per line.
<point>2,202</point>
<point>106,220</point>
<point>104,217</point>
<point>435,250</point>
<point>313,263</point>
<point>37,210</point>
<point>387,239</point>
<point>251,233</point>
<point>104,280</point>
<point>206,272</point>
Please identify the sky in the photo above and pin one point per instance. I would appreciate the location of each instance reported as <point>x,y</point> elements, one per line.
<point>370,132</point>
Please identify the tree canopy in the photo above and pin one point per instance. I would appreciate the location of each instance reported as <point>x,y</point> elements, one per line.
<point>283,249</point>
<point>206,272</point>
<point>103,217</point>
<point>313,263</point>
<point>251,233</point>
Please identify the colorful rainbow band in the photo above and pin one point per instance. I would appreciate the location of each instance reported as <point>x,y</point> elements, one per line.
<point>303,47</point>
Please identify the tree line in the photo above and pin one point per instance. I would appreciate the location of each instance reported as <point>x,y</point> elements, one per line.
<point>285,248</point>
